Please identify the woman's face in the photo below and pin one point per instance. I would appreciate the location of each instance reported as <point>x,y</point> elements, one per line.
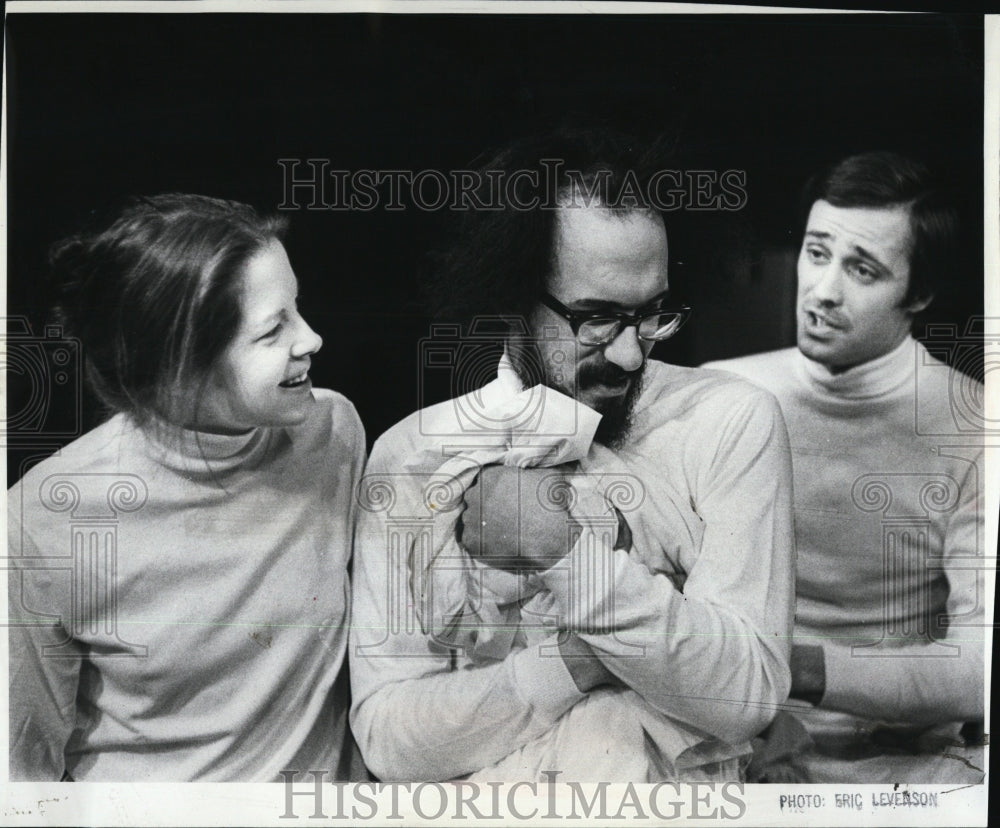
<point>262,378</point>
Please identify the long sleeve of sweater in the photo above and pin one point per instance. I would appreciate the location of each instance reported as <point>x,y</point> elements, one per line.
<point>939,678</point>
<point>179,606</point>
<point>44,663</point>
<point>890,485</point>
<point>415,715</point>
<point>715,655</point>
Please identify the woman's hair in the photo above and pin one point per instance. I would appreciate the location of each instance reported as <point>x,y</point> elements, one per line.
<point>155,298</point>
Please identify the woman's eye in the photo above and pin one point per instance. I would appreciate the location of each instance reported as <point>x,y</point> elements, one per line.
<point>815,254</point>
<point>271,334</point>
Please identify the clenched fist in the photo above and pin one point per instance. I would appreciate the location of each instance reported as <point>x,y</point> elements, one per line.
<point>514,521</point>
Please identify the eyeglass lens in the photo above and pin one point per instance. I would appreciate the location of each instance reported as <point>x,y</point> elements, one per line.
<point>654,327</point>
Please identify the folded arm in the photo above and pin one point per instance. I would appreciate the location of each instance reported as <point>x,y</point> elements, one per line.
<point>416,714</point>
<point>715,655</point>
<point>939,680</point>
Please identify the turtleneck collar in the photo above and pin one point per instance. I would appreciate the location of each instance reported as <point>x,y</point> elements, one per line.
<point>878,378</point>
<point>201,452</point>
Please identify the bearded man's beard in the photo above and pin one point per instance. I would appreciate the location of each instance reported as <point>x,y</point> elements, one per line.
<point>617,415</point>
<point>617,412</point>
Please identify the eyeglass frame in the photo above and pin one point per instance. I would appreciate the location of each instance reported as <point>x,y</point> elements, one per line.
<point>576,319</point>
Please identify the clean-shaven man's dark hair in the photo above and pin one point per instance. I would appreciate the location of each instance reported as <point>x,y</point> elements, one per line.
<point>887,179</point>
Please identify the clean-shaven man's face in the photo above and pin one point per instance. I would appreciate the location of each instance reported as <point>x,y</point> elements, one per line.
<point>854,271</point>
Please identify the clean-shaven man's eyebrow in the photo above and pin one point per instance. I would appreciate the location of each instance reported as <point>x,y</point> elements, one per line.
<point>821,235</point>
<point>871,257</point>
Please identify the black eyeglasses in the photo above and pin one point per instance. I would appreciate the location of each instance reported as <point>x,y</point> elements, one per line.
<point>601,327</point>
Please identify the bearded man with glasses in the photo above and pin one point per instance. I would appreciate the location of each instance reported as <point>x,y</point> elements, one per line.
<point>581,570</point>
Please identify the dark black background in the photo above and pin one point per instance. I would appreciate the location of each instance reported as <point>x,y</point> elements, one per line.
<point>104,106</point>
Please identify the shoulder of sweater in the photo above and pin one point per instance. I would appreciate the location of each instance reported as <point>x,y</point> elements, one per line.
<point>936,374</point>
<point>946,401</point>
<point>707,386</point>
<point>424,429</point>
<point>82,470</point>
<point>95,452</point>
<point>427,428</point>
<point>767,369</point>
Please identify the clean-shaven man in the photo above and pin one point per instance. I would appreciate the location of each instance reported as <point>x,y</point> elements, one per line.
<point>889,636</point>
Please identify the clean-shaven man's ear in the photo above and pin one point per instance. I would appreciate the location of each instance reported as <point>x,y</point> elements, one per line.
<point>918,305</point>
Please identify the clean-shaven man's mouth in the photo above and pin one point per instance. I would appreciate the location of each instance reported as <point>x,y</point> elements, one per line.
<point>820,324</point>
